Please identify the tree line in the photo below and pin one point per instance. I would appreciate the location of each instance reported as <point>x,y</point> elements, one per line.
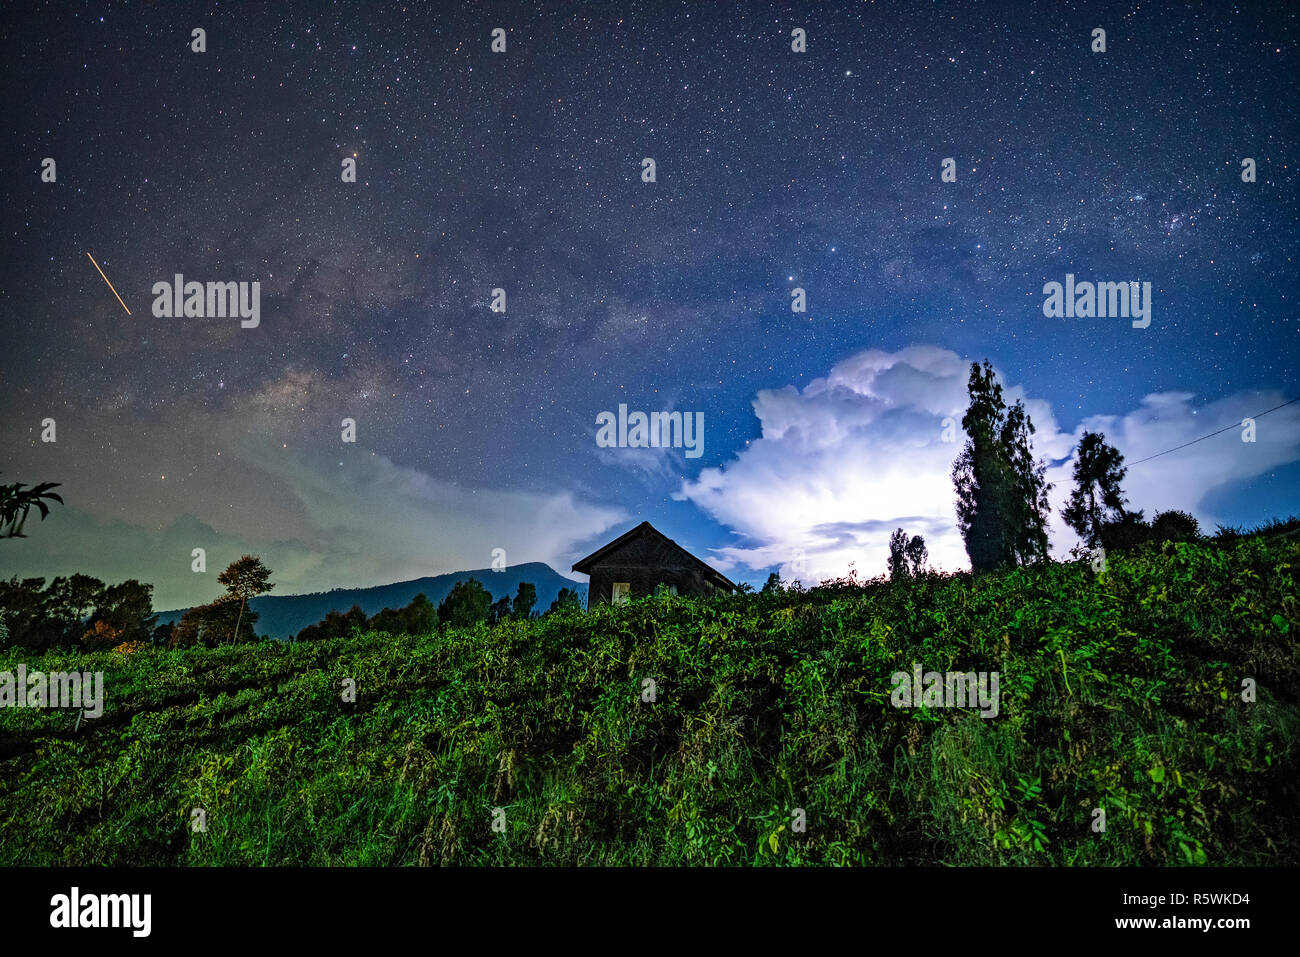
<point>75,611</point>
<point>467,604</point>
<point>81,612</point>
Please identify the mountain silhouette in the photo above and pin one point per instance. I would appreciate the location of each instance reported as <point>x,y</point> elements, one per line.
<point>282,616</point>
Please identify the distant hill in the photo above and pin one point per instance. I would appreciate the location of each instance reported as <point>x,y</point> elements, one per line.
<point>282,616</point>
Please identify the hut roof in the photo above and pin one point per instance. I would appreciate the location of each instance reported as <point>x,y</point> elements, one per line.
<point>585,565</point>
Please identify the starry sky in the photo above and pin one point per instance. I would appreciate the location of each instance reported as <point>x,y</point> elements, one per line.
<point>522,170</point>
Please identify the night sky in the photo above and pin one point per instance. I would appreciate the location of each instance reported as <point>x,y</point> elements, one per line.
<point>522,170</point>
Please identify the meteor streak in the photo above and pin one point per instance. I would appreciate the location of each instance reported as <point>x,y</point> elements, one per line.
<point>110,285</point>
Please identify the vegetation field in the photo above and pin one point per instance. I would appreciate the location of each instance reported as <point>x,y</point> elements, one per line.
<point>1123,691</point>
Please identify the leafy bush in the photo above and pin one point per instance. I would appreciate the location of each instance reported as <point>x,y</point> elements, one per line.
<point>1175,526</point>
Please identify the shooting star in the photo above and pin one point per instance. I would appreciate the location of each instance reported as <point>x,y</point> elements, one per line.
<point>110,285</point>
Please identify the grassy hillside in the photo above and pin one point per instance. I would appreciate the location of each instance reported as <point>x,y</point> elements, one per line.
<point>1120,691</point>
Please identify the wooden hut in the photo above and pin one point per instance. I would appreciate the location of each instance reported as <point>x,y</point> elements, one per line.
<point>639,562</point>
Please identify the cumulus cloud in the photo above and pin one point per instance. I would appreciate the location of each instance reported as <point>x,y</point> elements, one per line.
<point>868,448</point>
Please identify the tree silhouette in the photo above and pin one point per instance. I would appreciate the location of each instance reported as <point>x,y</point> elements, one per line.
<point>917,554</point>
<point>1001,490</point>
<point>1175,526</point>
<point>982,475</point>
<point>1097,498</point>
<point>85,592</point>
<point>420,615</point>
<point>128,609</point>
<point>566,600</point>
<point>525,599</point>
<point>65,605</point>
<point>907,557</point>
<point>1029,508</point>
<point>70,608</point>
<point>465,605</point>
<point>210,624</point>
<point>17,500</point>
<point>499,610</point>
<point>898,555</point>
<point>25,613</point>
<point>245,578</point>
<point>1127,531</point>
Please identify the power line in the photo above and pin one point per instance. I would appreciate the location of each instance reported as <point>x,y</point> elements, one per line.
<point>1235,425</point>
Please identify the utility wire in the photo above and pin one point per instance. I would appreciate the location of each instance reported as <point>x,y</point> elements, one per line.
<point>1235,425</point>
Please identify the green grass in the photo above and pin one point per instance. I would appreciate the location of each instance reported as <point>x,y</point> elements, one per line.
<point>1120,692</point>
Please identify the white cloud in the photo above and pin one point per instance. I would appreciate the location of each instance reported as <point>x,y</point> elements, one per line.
<point>860,452</point>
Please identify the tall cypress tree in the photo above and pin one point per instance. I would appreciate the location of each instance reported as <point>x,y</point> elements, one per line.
<point>1001,490</point>
<point>980,475</point>
<point>1029,500</point>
